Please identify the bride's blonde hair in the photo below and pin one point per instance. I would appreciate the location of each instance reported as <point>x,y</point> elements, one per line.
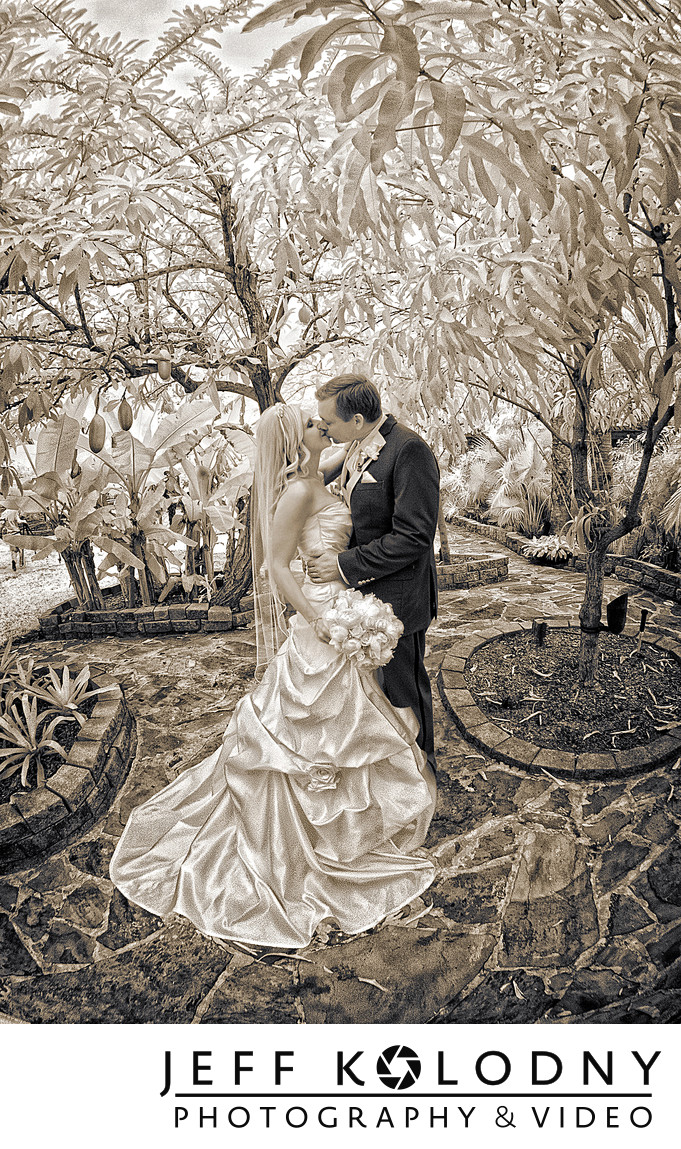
<point>281,456</point>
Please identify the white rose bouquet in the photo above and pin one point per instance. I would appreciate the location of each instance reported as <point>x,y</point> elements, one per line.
<point>363,628</point>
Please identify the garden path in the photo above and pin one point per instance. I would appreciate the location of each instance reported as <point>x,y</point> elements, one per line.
<point>556,901</point>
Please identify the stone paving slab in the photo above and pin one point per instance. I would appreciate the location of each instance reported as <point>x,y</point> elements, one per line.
<point>556,901</point>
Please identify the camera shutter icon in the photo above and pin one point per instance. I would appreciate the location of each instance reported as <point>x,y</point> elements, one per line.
<point>398,1067</point>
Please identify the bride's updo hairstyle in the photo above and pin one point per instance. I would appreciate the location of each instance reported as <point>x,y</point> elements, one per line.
<point>280,456</point>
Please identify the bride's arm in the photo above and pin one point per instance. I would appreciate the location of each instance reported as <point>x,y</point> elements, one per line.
<point>293,509</point>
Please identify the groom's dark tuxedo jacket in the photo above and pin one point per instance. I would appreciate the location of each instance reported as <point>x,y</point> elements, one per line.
<point>394,519</point>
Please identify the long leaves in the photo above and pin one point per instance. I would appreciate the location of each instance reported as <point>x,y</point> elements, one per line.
<point>34,701</point>
<point>27,736</point>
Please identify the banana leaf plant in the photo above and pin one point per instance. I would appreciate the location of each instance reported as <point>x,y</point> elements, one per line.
<point>135,538</point>
<point>114,500</point>
<point>67,499</point>
<point>209,506</point>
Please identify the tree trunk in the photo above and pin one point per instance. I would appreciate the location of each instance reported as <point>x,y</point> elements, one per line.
<point>199,553</point>
<point>561,484</point>
<point>77,578</point>
<point>129,587</point>
<point>445,554</point>
<point>88,562</point>
<point>601,462</point>
<point>245,283</point>
<point>238,571</point>
<point>208,546</point>
<point>191,563</point>
<point>590,616</point>
<point>138,551</point>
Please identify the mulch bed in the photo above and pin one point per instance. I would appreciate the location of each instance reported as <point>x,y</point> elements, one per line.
<point>531,691</point>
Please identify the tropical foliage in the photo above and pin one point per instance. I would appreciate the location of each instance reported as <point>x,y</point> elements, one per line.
<point>541,142</point>
<point>34,701</point>
<point>657,538</point>
<point>113,499</point>
<point>503,476</point>
<point>480,197</point>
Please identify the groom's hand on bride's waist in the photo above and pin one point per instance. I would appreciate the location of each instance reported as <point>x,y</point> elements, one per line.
<point>324,568</point>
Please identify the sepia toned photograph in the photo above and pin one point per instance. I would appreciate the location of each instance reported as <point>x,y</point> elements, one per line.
<point>340,516</point>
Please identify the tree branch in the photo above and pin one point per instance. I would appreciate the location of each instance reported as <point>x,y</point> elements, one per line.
<point>482,386</point>
<point>298,358</point>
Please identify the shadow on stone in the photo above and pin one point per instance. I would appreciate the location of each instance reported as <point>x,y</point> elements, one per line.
<point>127,923</point>
<point>93,857</point>
<point>502,998</point>
<point>551,917</point>
<point>162,980</point>
<point>14,958</point>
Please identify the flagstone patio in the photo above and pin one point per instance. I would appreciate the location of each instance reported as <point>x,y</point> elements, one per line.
<point>556,901</point>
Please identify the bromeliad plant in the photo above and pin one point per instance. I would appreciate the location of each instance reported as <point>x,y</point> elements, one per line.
<point>25,737</point>
<point>34,701</point>
<point>65,695</point>
<point>548,548</point>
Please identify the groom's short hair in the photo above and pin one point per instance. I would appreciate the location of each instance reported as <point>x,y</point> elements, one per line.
<point>354,395</point>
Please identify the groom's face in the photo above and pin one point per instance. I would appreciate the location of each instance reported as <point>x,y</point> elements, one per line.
<point>335,427</point>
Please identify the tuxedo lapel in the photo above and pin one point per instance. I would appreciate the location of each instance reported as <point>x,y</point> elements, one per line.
<point>344,474</point>
<point>378,443</point>
<point>374,447</point>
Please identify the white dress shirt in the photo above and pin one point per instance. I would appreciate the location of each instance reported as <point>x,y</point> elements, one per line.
<point>360,454</point>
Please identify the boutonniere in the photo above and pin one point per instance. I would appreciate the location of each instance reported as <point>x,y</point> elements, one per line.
<point>369,453</point>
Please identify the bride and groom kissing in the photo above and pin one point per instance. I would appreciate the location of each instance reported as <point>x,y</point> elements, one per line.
<point>316,804</point>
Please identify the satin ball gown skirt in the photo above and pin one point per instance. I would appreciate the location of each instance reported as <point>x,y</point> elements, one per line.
<point>308,811</point>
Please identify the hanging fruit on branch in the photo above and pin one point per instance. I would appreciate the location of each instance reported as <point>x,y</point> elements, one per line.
<point>163,363</point>
<point>97,433</point>
<point>125,415</point>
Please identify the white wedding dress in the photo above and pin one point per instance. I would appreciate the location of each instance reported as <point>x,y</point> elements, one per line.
<point>307,812</point>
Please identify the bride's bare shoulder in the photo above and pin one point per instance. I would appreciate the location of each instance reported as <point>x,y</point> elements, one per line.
<point>297,498</point>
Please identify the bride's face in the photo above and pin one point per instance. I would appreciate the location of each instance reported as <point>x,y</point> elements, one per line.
<point>314,438</point>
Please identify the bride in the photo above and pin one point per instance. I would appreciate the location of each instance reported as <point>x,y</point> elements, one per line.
<point>315,804</point>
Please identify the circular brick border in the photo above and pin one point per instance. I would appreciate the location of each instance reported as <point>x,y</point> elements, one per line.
<point>67,621</point>
<point>481,731</point>
<point>36,823</point>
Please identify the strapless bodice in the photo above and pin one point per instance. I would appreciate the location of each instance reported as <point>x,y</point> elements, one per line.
<point>328,529</point>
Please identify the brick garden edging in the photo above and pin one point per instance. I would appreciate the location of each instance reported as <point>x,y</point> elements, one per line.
<point>67,621</point>
<point>35,823</point>
<point>664,583</point>
<point>488,736</point>
<point>472,571</point>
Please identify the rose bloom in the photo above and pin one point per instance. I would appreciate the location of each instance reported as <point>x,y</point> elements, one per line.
<point>322,778</point>
<point>376,646</point>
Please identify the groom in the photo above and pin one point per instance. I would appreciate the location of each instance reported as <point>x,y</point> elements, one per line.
<point>391,482</point>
